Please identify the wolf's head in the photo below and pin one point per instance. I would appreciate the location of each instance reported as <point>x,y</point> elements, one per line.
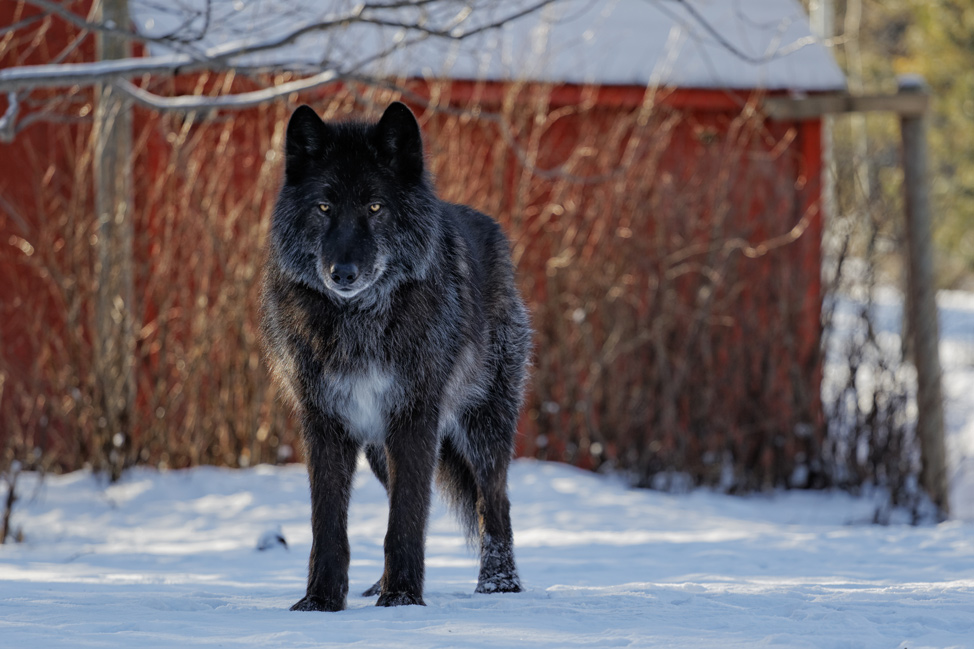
<point>356,211</point>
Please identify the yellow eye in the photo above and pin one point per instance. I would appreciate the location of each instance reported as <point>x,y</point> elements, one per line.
<point>324,207</point>
<point>375,207</point>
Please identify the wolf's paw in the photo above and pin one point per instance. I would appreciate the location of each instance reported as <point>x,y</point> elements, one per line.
<point>400,599</point>
<point>373,590</point>
<point>502,583</point>
<point>313,603</point>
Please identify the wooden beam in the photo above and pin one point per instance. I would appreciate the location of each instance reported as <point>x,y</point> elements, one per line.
<point>792,109</point>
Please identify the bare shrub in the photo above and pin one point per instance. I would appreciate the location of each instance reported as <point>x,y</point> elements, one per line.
<point>870,390</point>
<point>672,271</point>
<point>204,397</point>
<point>670,259</point>
<point>203,190</point>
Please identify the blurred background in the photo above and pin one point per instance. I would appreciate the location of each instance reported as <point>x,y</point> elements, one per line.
<point>716,289</point>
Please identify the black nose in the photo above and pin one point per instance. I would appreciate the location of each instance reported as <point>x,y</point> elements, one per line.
<point>344,274</point>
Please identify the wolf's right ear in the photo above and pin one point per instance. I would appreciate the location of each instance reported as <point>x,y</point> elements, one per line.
<point>304,140</point>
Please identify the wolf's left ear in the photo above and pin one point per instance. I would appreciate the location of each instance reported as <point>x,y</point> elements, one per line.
<point>400,137</point>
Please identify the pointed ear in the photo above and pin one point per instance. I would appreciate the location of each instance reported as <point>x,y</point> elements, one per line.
<point>400,138</point>
<point>304,140</point>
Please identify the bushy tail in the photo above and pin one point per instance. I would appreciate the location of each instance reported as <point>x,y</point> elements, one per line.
<point>456,482</point>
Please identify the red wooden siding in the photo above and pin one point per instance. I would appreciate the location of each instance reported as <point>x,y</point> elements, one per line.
<point>692,232</point>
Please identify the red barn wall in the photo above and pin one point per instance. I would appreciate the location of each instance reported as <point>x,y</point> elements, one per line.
<point>38,183</point>
<point>708,223</point>
<point>710,190</point>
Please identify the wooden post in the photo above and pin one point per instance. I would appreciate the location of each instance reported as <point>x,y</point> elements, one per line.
<point>821,15</point>
<point>921,301</point>
<point>114,343</point>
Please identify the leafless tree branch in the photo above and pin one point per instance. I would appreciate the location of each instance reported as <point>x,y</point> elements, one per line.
<point>89,25</point>
<point>220,57</point>
<point>450,20</point>
<point>717,34</point>
<point>28,77</point>
<point>232,101</point>
<point>20,24</point>
<point>188,56</point>
<point>8,122</point>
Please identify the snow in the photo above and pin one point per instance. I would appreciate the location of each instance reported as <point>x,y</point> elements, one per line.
<point>170,559</point>
<point>695,43</point>
<point>165,559</point>
<point>956,310</point>
<point>956,319</point>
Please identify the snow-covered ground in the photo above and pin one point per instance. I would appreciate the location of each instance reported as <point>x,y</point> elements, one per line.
<point>170,560</point>
<point>957,357</point>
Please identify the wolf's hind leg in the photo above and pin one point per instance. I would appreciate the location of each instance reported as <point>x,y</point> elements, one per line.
<point>376,456</point>
<point>490,437</point>
<point>373,590</point>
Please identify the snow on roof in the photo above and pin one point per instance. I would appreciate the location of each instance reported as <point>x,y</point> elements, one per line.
<point>682,43</point>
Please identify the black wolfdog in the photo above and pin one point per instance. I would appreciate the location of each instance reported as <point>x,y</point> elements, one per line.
<point>391,321</point>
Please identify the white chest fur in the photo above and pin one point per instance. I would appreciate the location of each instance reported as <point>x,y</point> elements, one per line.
<point>366,404</point>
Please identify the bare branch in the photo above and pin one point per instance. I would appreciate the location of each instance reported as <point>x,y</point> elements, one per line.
<point>718,35</point>
<point>221,57</point>
<point>20,24</point>
<point>8,123</point>
<point>234,101</point>
<point>59,10</point>
<point>70,74</point>
<point>191,53</point>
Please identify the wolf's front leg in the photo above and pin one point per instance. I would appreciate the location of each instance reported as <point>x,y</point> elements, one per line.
<point>411,456</point>
<point>331,457</point>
